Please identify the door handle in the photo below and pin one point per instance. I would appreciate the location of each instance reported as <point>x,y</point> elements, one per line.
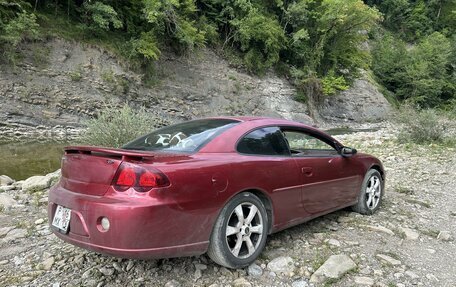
<point>307,171</point>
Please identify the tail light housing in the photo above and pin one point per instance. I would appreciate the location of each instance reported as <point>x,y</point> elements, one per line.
<point>141,179</point>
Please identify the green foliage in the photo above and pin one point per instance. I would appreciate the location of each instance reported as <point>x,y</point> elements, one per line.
<point>414,19</point>
<point>100,16</point>
<point>116,126</point>
<point>422,75</point>
<point>326,37</point>
<point>261,38</point>
<point>421,127</point>
<point>177,20</point>
<point>145,46</point>
<point>332,84</point>
<point>15,27</point>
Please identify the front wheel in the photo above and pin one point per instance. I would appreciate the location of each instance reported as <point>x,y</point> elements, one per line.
<point>371,193</point>
<point>240,232</point>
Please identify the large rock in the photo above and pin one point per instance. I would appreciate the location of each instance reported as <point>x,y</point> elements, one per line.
<point>6,201</point>
<point>362,102</point>
<point>36,183</point>
<point>39,182</point>
<point>6,180</point>
<point>334,268</point>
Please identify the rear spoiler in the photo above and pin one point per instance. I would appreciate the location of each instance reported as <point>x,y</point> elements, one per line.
<point>124,153</point>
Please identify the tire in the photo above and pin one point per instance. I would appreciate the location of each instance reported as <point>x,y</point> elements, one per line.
<point>236,243</point>
<point>371,194</point>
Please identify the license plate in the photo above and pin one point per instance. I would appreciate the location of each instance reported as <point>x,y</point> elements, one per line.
<point>62,218</point>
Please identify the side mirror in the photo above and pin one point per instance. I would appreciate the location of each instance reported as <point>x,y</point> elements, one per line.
<point>348,151</point>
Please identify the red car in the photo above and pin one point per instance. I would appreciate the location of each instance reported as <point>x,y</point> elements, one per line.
<point>216,185</point>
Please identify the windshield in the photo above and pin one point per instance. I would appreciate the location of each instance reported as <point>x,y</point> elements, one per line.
<point>184,137</point>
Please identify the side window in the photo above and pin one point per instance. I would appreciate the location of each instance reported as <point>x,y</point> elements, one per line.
<point>304,144</point>
<point>264,141</point>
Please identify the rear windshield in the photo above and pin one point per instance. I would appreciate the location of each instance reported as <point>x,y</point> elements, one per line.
<point>184,137</point>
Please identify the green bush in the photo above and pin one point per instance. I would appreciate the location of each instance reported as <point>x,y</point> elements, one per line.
<point>116,126</point>
<point>420,127</point>
<point>21,27</point>
<point>331,84</point>
<point>423,75</point>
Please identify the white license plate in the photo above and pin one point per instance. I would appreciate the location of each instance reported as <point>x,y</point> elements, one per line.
<point>62,218</point>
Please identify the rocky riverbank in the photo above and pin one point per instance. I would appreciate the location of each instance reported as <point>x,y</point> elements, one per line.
<point>409,242</point>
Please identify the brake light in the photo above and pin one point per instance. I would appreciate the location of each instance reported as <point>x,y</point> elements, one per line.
<point>140,178</point>
<point>126,177</point>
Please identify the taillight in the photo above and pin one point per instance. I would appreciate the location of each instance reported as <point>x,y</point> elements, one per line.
<point>140,178</point>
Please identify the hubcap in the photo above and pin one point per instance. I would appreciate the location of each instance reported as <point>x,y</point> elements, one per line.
<point>373,192</point>
<point>244,230</point>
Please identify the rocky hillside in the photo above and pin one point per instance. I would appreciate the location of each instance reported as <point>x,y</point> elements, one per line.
<point>62,83</point>
<point>408,242</point>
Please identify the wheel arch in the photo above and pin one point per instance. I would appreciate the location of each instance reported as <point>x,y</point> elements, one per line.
<point>265,199</point>
<point>379,169</point>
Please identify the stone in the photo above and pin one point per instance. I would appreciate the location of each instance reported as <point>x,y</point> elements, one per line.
<point>445,236</point>
<point>6,201</point>
<point>379,228</point>
<point>364,281</point>
<point>39,221</point>
<point>36,183</point>
<point>254,270</point>
<point>47,264</point>
<point>282,264</point>
<point>388,259</point>
<point>241,282</point>
<point>300,283</point>
<point>54,177</point>
<point>106,271</point>
<point>410,234</point>
<point>172,283</point>
<point>334,242</point>
<point>411,274</point>
<point>333,268</point>
<point>6,188</point>
<point>5,180</point>
<point>198,274</point>
<point>200,266</point>
<point>115,265</point>
<point>15,234</point>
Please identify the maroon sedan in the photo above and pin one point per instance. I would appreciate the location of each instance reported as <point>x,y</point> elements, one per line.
<point>217,185</point>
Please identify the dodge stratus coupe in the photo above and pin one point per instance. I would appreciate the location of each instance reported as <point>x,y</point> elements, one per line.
<point>215,185</point>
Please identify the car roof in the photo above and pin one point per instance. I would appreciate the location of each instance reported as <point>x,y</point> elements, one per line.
<point>264,120</point>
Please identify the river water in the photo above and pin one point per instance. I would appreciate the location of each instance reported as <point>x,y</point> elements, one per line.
<point>20,160</point>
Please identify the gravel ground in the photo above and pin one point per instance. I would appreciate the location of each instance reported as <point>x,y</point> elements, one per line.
<point>409,242</point>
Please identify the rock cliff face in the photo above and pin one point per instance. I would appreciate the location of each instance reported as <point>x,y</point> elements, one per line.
<point>362,102</point>
<point>62,83</point>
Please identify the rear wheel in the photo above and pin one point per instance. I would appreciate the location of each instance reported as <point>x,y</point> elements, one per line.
<point>240,232</point>
<point>371,193</point>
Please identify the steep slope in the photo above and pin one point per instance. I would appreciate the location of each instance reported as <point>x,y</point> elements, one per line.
<point>63,83</point>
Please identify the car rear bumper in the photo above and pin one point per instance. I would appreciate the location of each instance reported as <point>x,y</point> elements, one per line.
<point>147,253</point>
<point>140,227</point>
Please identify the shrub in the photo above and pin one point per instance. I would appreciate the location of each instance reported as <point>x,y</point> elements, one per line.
<point>116,126</point>
<point>421,127</point>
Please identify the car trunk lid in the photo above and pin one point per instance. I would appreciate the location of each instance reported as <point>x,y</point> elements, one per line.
<point>91,170</point>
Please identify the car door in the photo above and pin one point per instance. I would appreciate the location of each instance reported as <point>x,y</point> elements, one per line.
<point>328,180</point>
<point>265,163</point>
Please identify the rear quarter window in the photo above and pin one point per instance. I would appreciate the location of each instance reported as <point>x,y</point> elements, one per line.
<point>263,141</point>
